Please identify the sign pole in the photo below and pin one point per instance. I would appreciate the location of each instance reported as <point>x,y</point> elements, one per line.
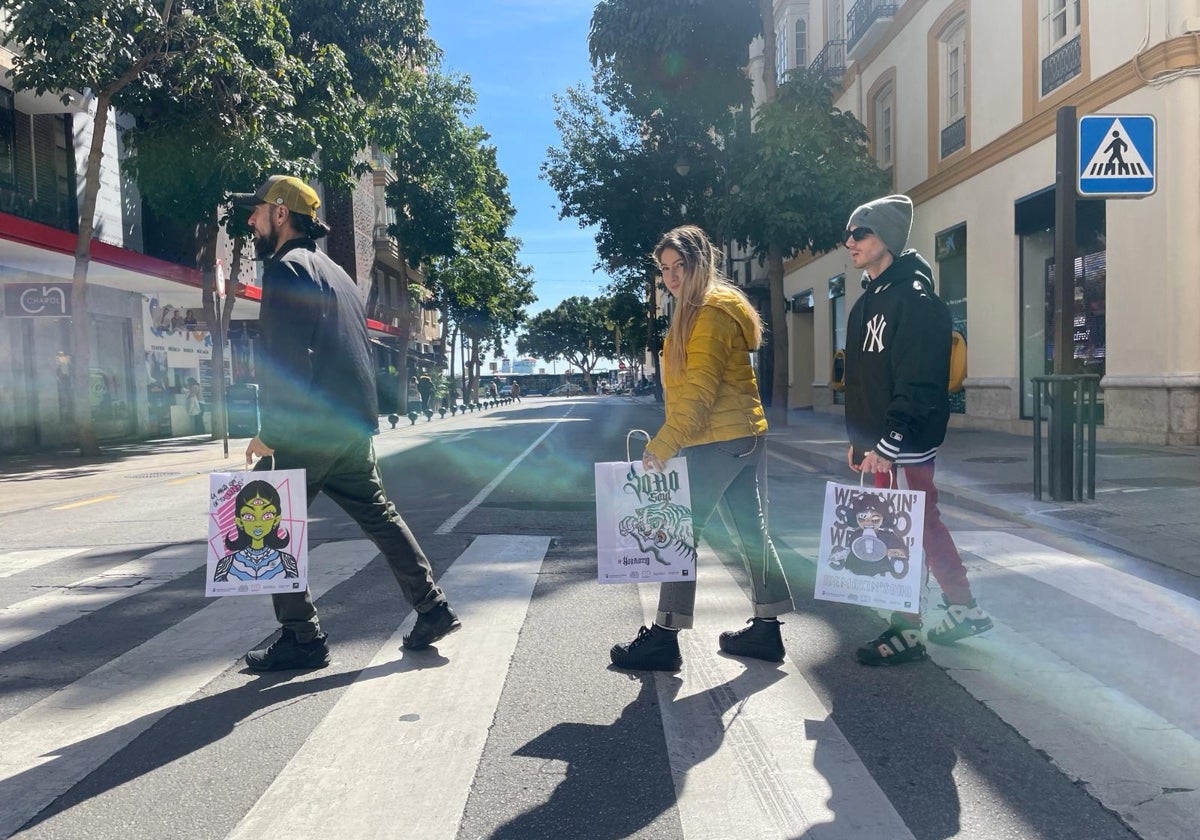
<point>1065,206</point>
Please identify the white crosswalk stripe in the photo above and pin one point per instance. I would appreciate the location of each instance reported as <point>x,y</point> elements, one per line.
<point>55,743</point>
<point>744,738</point>
<point>31,618</point>
<point>410,726</point>
<point>15,562</point>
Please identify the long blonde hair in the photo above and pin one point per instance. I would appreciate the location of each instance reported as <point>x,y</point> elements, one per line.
<point>701,275</point>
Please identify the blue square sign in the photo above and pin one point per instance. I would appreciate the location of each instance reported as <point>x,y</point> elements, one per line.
<point>1117,156</point>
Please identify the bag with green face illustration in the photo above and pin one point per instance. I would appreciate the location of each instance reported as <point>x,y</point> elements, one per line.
<point>644,522</point>
<point>257,533</point>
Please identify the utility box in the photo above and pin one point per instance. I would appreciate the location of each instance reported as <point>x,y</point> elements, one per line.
<point>241,405</point>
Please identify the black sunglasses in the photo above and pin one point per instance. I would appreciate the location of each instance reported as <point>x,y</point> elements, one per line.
<point>858,234</point>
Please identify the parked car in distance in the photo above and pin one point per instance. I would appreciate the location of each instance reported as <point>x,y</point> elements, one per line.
<point>568,390</point>
<point>506,390</point>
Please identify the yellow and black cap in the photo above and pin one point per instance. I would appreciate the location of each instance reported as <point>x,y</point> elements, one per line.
<point>284,191</point>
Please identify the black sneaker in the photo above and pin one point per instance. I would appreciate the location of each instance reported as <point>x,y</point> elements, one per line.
<point>287,653</point>
<point>431,626</point>
<point>961,621</point>
<point>761,640</point>
<point>655,649</point>
<point>897,645</point>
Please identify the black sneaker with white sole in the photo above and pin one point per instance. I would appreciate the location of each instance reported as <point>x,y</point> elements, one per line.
<point>960,622</point>
<point>895,646</point>
<point>288,653</point>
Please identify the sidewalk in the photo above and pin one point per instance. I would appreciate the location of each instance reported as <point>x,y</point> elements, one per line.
<point>1147,497</point>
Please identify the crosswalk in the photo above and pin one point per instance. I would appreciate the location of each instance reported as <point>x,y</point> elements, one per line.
<point>1090,664</point>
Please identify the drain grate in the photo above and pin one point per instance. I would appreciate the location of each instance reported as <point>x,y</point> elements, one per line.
<point>153,475</point>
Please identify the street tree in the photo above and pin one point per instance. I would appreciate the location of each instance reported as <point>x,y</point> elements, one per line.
<point>576,330</point>
<point>97,49</point>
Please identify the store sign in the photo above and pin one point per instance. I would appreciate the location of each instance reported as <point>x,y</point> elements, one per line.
<point>37,300</point>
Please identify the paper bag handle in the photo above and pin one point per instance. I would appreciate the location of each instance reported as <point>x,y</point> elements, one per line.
<point>862,476</point>
<point>631,433</point>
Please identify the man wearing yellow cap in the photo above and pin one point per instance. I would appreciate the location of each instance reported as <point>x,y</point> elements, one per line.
<point>319,410</point>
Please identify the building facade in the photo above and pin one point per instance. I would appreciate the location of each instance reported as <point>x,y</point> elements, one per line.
<point>960,99</point>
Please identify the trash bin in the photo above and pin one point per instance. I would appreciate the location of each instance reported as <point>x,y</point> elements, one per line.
<point>241,406</point>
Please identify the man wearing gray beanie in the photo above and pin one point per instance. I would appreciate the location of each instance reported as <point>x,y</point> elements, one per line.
<point>898,337</point>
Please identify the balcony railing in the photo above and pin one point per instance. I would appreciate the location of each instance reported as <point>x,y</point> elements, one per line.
<point>954,137</point>
<point>1062,65</point>
<point>831,60</point>
<point>863,15</point>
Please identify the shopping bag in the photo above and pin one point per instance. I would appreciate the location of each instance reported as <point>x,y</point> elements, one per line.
<point>644,521</point>
<point>870,550</point>
<point>257,533</point>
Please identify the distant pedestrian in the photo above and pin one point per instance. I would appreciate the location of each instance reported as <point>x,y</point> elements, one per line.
<point>194,407</point>
<point>516,390</point>
<point>715,419</point>
<point>319,411</point>
<point>493,390</point>
<point>425,387</point>
<point>897,408</point>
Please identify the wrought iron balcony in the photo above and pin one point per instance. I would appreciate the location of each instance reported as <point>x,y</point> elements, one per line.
<point>867,17</point>
<point>954,137</point>
<point>1062,65</point>
<point>831,60</point>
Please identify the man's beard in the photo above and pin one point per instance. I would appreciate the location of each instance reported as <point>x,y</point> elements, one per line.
<point>264,246</point>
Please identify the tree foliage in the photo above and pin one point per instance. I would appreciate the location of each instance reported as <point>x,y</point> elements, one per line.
<point>577,330</point>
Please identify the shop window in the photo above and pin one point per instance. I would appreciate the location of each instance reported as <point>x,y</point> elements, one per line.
<point>950,253</point>
<point>1035,230</point>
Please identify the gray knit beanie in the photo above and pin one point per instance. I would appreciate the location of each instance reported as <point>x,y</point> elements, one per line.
<point>890,217</point>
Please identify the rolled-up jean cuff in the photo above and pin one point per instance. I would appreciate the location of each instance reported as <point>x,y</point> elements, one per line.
<point>773,610</point>
<point>674,620</point>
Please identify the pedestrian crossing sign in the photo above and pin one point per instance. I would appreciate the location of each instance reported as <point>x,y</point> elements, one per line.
<point>1117,156</point>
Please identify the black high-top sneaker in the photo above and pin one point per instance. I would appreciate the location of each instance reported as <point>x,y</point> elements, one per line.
<point>654,649</point>
<point>898,644</point>
<point>287,653</point>
<point>761,640</point>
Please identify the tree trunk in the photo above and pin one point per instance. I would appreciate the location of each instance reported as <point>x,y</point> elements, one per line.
<point>777,412</point>
<point>404,339</point>
<point>231,284</point>
<point>213,320</point>
<point>652,334</point>
<point>81,355</point>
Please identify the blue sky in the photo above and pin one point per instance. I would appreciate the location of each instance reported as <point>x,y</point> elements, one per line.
<point>518,54</point>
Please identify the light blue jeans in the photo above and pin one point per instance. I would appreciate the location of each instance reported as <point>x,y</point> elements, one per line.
<point>729,471</point>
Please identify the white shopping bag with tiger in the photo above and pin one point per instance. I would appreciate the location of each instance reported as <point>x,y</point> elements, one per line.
<point>644,522</point>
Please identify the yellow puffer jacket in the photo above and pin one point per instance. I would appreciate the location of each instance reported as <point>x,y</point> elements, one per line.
<point>716,397</point>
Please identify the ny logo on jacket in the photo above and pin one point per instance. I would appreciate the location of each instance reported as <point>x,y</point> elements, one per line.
<point>873,335</point>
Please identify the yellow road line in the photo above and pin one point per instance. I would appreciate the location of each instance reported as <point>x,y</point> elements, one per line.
<point>189,478</point>
<point>85,502</point>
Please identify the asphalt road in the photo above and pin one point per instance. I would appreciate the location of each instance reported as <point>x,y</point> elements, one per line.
<point>126,712</point>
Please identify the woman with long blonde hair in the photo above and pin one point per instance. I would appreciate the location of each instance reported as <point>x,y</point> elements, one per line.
<point>715,418</point>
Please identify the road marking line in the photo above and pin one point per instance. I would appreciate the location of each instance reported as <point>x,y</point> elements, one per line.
<point>731,725</point>
<point>188,478</point>
<point>407,726</point>
<point>32,617</point>
<point>85,502</point>
<point>452,523</point>
<point>53,744</point>
<point>1164,612</point>
<point>15,562</point>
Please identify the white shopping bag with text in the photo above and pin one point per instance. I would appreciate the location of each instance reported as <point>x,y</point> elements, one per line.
<point>644,522</point>
<point>257,533</point>
<point>871,547</point>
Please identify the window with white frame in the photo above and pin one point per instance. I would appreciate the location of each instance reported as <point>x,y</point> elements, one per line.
<point>885,110</point>
<point>835,20</point>
<point>1060,23</point>
<point>801,43</point>
<point>1060,42</point>
<point>782,54</point>
<point>953,77</point>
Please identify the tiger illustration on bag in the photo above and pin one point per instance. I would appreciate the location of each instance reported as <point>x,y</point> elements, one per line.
<point>660,526</point>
